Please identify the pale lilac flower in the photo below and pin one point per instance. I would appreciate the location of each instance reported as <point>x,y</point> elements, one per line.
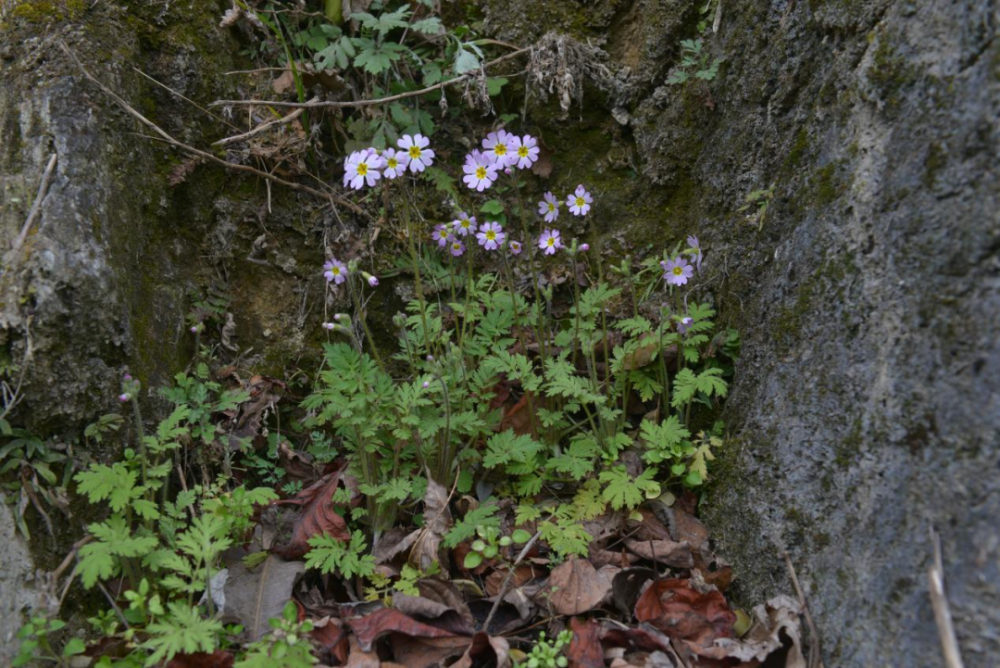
<point>395,163</point>
<point>584,248</point>
<point>579,202</point>
<point>194,330</point>
<point>677,272</point>
<point>430,358</point>
<point>693,243</point>
<point>362,169</point>
<point>464,225</point>
<point>491,236</point>
<point>526,150</point>
<point>335,271</point>
<point>328,326</point>
<point>442,235</point>
<point>480,173</point>
<point>456,248</point>
<point>683,325</point>
<point>426,384</point>
<point>338,316</point>
<point>123,398</point>
<point>372,281</point>
<point>420,157</point>
<point>515,247</point>
<point>501,145</point>
<point>550,242</point>
<point>549,207</point>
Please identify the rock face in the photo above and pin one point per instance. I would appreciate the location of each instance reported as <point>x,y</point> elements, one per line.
<point>865,409</point>
<point>867,402</point>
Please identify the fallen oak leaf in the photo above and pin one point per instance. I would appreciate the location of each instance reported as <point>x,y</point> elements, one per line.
<point>776,619</point>
<point>685,614</point>
<point>575,586</point>
<point>255,596</point>
<point>331,636</point>
<point>382,622</point>
<point>437,517</point>
<point>585,649</point>
<point>677,555</point>
<point>318,516</point>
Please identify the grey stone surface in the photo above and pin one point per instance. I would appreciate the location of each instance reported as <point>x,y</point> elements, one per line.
<point>867,402</point>
<point>16,575</point>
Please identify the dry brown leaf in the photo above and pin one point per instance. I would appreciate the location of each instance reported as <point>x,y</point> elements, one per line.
<point>575,586</point>
<point>666,552</point>
<point>318,516</point>
<point>382,622</point>
<point>485,650</point>
<point>256,596</point>
<point>685,614</point>
<point>359,658</point>
<point>330,636</point>
<point>778,617</point>
<point>585,649</point>
<point>437,521</point>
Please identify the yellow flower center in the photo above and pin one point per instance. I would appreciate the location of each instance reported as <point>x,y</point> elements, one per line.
<point>551,241</point>
<point>362,169</point>
<point>414,152</point>
<point>552,207</point>
<point>392,163</point>
<point>480,173</point>
<point>491,235</point>
<point>523,151</point>
<point>678,271</point>
<point>456,246</point>
<point>500,149</point>
<point>336,271</point>
<point>580,201</point>
<point>466,223</point>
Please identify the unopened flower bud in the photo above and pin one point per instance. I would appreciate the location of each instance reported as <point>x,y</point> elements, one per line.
<point>328,325</point>
<point>127,377</point>
<point>430,358</point>
<point>426,384</point>
<point>194,329</point>
<point>372,281</point>
<point>508,171</point>
<point>584,248</point>
<point>123,398</point>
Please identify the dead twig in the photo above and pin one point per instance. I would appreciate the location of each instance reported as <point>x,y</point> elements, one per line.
<point>313,104</point>
<point>815,650</point>
<point>260,128</point>
<point>37,205</point>
<point>942,612</point>
<point>333,199</point>
<point>506,581</point>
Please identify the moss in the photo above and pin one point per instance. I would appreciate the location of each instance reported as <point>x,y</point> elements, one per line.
<point>890,72</point>
<point>848,451</point>
<point>798,150</point>
<point>44,11</point>
<point>827,185</point>
<point>934,163</point>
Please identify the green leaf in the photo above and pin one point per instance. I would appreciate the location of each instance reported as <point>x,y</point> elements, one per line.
<point>473,559</point>
<point>74,646</point>
<point>465,61</point>
<point>621,490</point>
<point>492,206</point>
<point>495,84</point>
<point>506,447</point>
<point>182,630</point>
<point>520,536</point>
<point>483,516</point>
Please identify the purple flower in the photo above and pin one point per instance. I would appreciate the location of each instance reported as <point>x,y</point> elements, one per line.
<point>194,329</point>
<point>696,247</point>
<point>442,235</point>
<point>426,384</point>
<point>464,225</point>
<point>549,207</point>
<point>501,146</point>
<point>416,150</point>
<point>123,398</point>
<point>579,202</point>
<point>683,325</point>
<point>395,163</point>
<point>335,271</point>
<point>362,169</point>
<point>328,325</point>
<point>584,248</point>
<point>515,247</point>
<point>127,377</point>
<point>550,242</point>
<point>677,272</point>
<point>430,358</point>
<point>526,151</point>
<point>491,236</point>
<point>372,281</point>
<point>480,173</point>
<point>456,248</point>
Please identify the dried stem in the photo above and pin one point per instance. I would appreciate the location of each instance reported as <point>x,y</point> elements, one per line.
<point>42,187</point>
<point>506,581</point>
<point>942,612</point>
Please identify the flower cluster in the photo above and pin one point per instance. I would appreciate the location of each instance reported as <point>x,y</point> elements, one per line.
<point>367,166</point>
<point>678,270</point>
<point>502,152</point>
